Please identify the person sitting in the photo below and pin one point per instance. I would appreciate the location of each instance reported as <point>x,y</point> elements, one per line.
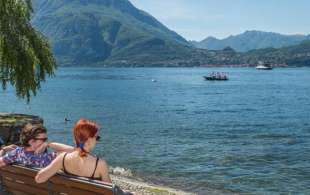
<point>80,162</point>
<point>33,150</point>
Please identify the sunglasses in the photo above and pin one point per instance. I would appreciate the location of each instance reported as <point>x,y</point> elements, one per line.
<point>44,139</point>
<point>98,137</point>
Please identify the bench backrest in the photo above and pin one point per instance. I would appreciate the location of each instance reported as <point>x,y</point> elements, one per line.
<point>19,180</point>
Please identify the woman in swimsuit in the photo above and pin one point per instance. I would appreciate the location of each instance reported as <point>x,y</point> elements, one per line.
<point>79,162</point>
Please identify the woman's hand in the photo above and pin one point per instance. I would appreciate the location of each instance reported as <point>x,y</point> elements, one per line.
<point>9,147</point>
<point>6,149</point>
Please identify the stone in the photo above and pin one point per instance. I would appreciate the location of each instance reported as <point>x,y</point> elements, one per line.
<point>12,123</point>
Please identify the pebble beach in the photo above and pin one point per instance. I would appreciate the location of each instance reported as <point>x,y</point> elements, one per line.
<point>143,188</point>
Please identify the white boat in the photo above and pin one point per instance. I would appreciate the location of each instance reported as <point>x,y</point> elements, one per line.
<point>263,66</point>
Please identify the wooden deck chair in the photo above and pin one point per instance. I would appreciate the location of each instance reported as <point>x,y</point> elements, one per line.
<point>19,180</point>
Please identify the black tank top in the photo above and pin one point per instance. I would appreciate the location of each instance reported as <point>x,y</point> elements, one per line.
<point>92,177</point>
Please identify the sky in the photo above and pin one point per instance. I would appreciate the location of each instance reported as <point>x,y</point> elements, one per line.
<point>198,19</point>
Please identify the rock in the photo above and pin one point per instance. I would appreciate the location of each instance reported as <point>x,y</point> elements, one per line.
<point>121,171</point>
<point>11,124</point>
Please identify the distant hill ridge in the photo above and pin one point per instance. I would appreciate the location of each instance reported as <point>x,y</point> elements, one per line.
<point>96,31</point>
<point>250,40</point>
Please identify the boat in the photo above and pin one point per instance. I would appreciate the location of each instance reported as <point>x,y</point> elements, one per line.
<point>216,77</point>
<point>263,66</point>
<point>19,180</point>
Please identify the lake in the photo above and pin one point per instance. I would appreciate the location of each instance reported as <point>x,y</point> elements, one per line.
<point>169,126</point>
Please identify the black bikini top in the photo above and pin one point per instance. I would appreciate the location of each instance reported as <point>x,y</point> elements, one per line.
<point>92,177</point>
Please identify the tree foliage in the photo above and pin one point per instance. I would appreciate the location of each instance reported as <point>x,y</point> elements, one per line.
<point>25,54</point>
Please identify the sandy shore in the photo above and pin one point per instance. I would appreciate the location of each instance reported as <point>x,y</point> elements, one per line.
<point>142,188</point>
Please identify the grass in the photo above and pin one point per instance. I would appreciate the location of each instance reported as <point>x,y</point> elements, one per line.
<point>8,120</point>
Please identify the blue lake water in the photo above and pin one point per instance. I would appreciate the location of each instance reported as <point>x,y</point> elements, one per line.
<point>250,134</point>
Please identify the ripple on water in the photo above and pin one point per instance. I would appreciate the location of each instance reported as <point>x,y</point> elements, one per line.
<point>250,135</point>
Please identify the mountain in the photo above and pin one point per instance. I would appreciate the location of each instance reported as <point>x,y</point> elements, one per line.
<point>115,33</point>
<point>97,32</point>
<point>250,40</point>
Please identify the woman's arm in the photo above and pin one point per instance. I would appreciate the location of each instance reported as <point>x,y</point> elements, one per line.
<point>58,147</point>
<point>46,173</point>
<point>104,171</point>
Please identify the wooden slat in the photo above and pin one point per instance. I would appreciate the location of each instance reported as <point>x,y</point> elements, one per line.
<point>83,185</point>
<point>24,189</point>
<point>19,180</point>
<point>15,192</point>
<point>23,179</point>
<point>64,190</point>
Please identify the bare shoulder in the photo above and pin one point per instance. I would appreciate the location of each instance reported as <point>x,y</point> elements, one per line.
<point>59,157</point>
<point>103,164</point>
<point>104,171</point>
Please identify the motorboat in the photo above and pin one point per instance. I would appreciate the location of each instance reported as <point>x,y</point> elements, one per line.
<point>263,66</point>
<point>216,77</point>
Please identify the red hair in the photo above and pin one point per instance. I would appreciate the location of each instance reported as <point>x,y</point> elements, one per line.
<point>83,130</point>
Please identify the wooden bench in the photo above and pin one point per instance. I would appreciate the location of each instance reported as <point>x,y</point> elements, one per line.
<point>19,180</point>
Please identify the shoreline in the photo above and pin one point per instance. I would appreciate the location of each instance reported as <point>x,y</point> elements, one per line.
<point>176,67</point>
<point>144,188</point>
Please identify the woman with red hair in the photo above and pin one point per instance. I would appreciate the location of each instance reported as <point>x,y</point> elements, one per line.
<point>80,162</point>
